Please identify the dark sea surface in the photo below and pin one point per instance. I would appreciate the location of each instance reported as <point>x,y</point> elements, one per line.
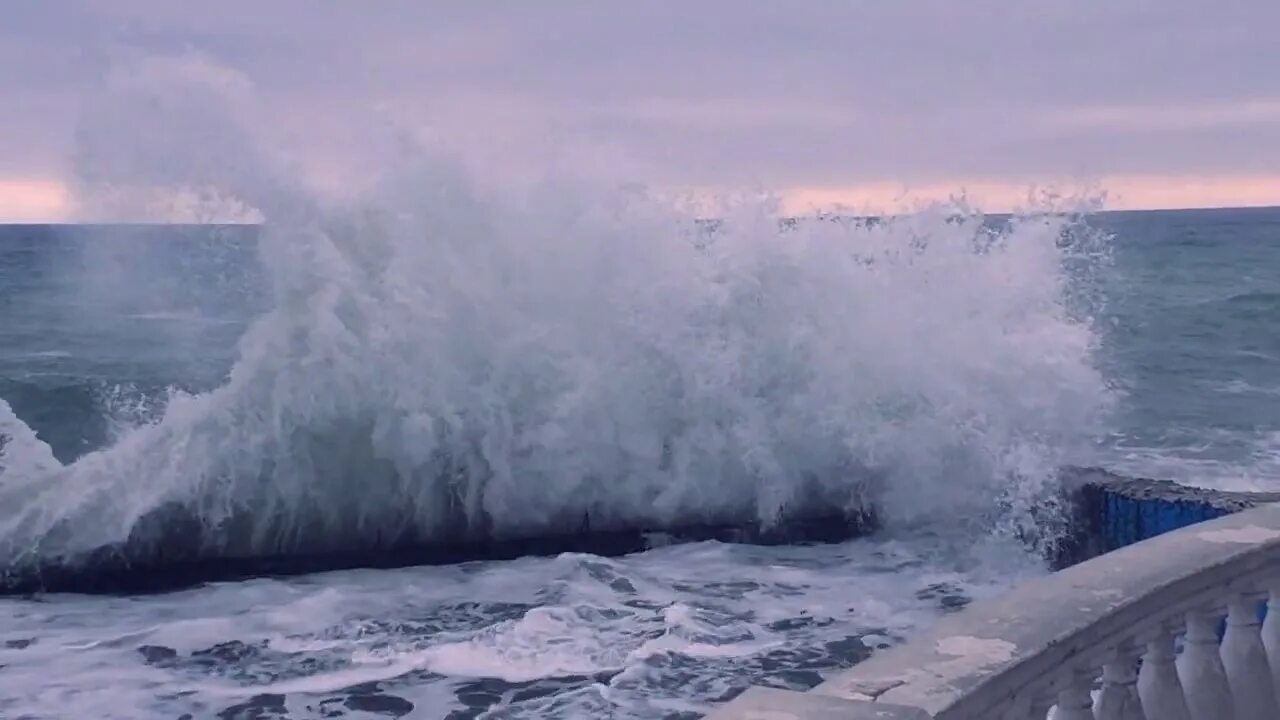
<point>1192,334</point>
<point>117,349</point>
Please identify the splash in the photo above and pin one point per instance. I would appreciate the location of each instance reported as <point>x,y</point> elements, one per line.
<point>443,362</point>
<point>22,454</point>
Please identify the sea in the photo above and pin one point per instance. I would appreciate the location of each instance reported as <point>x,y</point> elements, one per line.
<point>446,366</point>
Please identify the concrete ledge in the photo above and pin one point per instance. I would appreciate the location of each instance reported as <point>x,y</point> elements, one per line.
<point>168,558</point>
<point>1109,511</point>
<point>760,703</point>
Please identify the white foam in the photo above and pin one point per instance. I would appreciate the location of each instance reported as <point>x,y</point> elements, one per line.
<point>22,454</point>
<point>45,354</point>
<point>1258,470</point>
<point>689,624</point>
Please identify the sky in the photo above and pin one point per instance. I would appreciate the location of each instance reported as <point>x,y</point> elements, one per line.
<point>870,103</point>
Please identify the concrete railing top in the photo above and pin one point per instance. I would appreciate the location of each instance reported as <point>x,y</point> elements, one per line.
<point>1014,656</point>
<point>982,661</point>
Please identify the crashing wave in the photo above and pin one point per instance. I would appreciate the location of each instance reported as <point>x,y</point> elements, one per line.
<point>442,366</point>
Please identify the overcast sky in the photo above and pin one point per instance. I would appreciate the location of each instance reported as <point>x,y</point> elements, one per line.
<point>1161,102</point>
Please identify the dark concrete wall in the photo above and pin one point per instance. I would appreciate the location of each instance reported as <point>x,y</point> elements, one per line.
<point>1111,511</point>
<point>168,565</point>
<point>1108,511</point>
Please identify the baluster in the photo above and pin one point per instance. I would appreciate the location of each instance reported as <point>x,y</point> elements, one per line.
<point>1029,707</point>
<point>1158,684</point>
<point>1200,669</point>
<point>1075,702</point>
<point>1271,638</point>
<point>1119,697</point>
<point>1245,660</point>
<point>1040,709</point>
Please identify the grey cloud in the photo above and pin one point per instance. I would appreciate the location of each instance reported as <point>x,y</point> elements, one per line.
<point>718,91</point>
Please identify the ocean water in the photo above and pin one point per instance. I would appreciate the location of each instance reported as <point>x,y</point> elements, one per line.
<point>314,386</point>
<point>1191,337</point>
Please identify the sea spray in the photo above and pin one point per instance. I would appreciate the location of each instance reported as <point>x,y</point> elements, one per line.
<point>445,362</point>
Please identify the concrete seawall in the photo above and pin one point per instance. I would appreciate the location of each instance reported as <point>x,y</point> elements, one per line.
<point>1108,511</point>
<point>163,562</point>
<point>1111,511</point>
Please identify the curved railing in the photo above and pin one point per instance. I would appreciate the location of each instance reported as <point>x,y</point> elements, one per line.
<point>1136,633</point>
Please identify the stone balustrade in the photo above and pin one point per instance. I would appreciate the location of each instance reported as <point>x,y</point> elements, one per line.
<point>1170,628</point>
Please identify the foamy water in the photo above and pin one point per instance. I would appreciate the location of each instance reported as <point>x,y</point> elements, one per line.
<point>664,633</point>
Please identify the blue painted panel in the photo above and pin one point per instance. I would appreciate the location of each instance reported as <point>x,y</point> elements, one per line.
<point>1128,520</point>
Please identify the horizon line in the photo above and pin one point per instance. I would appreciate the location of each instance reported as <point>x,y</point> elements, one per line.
<point>789,216</point>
